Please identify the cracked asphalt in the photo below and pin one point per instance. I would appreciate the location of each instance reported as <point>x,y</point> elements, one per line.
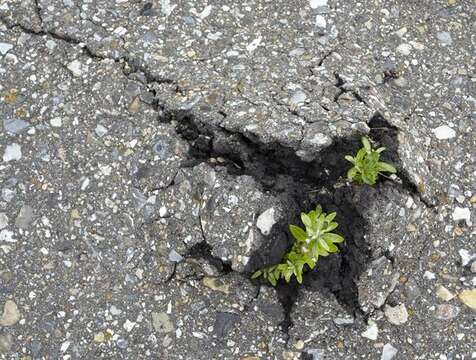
<point>154,152</point>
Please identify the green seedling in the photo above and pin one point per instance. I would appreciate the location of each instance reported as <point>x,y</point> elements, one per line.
<point>315,240</point>
<point>367,165</point>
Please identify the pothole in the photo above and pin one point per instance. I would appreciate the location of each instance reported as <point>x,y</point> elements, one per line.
<point>300,186</point>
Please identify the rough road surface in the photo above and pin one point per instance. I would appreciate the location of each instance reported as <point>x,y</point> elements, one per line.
<point>152,154</point>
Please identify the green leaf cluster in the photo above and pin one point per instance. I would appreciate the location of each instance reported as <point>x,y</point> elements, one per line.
<point>367,165</point>
<point>317,239</point>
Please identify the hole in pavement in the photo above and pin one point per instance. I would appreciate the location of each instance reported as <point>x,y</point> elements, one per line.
<point>300,185</point>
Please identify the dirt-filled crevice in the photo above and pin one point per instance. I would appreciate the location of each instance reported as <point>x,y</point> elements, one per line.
<point>300,185</point>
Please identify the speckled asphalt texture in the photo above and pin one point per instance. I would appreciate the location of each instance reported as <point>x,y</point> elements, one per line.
<point>152,154</point>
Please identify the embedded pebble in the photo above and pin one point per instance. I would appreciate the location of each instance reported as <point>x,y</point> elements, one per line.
<point>396,315</point>
<point>75,67</point>
<point>468,297</point>
<point>372,331</point>
<point>162,323</point>
<point>11,314</point>
<point>12,152</point>
<point>266,221</point>
<point>314,4</point>
<point>6,342</point>
<point>3,220</point>
<point>444,132</point>
<point>446,312</point>
<point>14,125</point>
<point>460,214</point>
<point>388,352</point>
<point>5,47</point>
<point>404,49</point>
<point>25,217</point>
<point>175,256</point>
<point>56,122</point>
<point>444,37</point>
<point>444,294</point>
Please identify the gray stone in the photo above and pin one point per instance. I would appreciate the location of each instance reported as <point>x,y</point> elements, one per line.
<point>388,352</point>
<point>11,314</point>
<point>14,125</point>
<point>25,217</point>
<point>162,323</point>
<point>224,322</point>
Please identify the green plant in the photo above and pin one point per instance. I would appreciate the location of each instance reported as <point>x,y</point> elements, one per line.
<point>367,165</point>
<point>316,240</point>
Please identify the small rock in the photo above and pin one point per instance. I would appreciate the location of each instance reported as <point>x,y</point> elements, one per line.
<point>5,47</point>
<point>444,294</point>
<point>314,4</point>
<point>14,125</point>
<point>266,221</point>
<point>75,67</point>
<point>446,312</point>
<point>11,314</point>
<point>122,343</point>
<point>3,220</point>
<point>100,130</point>
<point>444,132</point>
<point>317,354</point>
<point>216,285</point>
<point>35,348</point>
<point>298,98</point>
<point>99,337</point>
<point>115,311</point>
<point>56,122</point>
<point>444,37</point>
<point>372,331</point>
<point>162,323</point>
<point>343,321</point>
<point>224,322</point>
<point>7,236</point>
<point>321,22</point>
<point>404,49</point>
<point>25,217</point>
<point>129,325</point>
<point>12,152</point>
<point>466,256</point>
<point>175,256</point>
<point>134,105</point>
<point>473,267</point>
<point>388,352</point>
<point>396,315</point>
<point>462,214</point>
<point>468,297</point>
<point>6,342</point>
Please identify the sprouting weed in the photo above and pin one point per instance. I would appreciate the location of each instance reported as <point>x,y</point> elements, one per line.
<point>317,239</point>
<point>367,165</point>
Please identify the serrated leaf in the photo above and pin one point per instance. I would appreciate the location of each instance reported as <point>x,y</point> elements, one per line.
<point>298,233</point>
<point>256,274</point>
<point>383,166</point>
<point>380,149</point>
<point>331,216</point>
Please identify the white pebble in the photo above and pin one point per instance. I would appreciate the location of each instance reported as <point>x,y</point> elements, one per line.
<point>372,331</point>
<point>314,4</point>
<point>5,47</point>
<point>444,132</point>
<point>56,122</point>
<point>75,67</point>
<point>266,221</point>
<point>12,152</point>
<point>404,49</point>
<point>462,214</point>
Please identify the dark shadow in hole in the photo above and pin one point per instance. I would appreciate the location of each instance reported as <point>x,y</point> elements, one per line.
<point>300,185</point>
